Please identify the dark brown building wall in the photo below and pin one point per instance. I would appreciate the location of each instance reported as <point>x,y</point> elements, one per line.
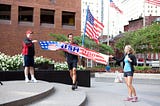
<point>12,33</point>
<point>138,23</point>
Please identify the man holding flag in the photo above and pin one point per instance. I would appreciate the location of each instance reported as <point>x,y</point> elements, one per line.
<point>72,63</point>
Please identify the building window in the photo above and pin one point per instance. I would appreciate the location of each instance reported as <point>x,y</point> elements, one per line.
<point>156,11</point>
<point>25,14</point>
<point>47,16</point>
<point>89,63</point>
<point>5,12</point>
<point>53,1</point>
<point>68,19</point>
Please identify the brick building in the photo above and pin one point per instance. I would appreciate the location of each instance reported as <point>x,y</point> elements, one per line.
<point>41,16</point>
<point>138,23</point>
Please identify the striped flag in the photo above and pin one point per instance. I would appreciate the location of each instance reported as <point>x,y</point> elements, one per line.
<point>76,50</point>
<point>154,2</point>
<point>112,4</point>
<point>93,27</point>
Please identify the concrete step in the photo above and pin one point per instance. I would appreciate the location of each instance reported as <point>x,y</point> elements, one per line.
<point>19,93</point>
<point>63,96</point>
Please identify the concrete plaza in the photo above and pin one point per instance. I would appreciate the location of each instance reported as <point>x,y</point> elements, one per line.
<point>103,92</point>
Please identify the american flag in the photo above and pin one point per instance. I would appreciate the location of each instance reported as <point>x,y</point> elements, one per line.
<point>112,4</point>
<point>93,27</point>
<point>76,50</point>
<point>154,2</point>
<point>49,45</point>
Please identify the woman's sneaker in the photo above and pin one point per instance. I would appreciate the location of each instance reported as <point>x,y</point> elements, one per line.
<point>135,99</point>
<point>128,99</point>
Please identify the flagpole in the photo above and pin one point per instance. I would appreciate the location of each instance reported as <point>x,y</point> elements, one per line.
<point>144,17</point>
<point>83,36</point>
<point>108,23</point>
<point>102,8</point>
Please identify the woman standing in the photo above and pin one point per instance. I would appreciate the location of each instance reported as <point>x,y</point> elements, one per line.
<point>129,60</point>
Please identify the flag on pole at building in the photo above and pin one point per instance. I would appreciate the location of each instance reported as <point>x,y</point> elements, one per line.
<point>93,27</point>
<point>154,2</point>
<point>112,4</point>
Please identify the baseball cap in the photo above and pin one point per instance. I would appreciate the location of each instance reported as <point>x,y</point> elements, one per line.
<point>29,32</point>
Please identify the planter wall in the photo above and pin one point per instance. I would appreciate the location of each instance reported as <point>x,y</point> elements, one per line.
<point>43,66</point>
<point>83,77</point>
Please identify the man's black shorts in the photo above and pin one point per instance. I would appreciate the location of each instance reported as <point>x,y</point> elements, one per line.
<point>28,61</point>
<point>130,73</point>
<point>72,64</point>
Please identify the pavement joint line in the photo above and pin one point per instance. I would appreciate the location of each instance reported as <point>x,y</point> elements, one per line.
<point>136,75</point>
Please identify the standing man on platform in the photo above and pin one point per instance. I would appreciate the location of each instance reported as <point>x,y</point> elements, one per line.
<point>28,52</point>
<point>72,63</point>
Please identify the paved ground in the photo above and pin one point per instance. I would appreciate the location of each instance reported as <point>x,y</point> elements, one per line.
<point>103,92</point>
<point>63,96</point>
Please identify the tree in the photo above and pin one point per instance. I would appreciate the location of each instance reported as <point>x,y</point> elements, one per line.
<point>144,40</point>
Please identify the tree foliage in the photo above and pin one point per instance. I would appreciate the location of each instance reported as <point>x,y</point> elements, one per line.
<point>143,40</point>
<point>59,37</point>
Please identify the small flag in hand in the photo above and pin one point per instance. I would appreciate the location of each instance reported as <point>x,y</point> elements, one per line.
<point>49,45</point>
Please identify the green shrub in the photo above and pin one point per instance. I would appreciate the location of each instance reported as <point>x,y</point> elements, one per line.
<point>143,68</point>
<point>15,62</point>
<point>10,62</point>
<point>41,59</point>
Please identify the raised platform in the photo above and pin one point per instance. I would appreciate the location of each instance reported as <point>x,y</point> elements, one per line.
<point>83,77</point>
<point>19,93</point>
<point>16,93</point>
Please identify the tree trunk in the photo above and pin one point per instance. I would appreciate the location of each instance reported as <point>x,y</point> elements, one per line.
<point>145,57</point>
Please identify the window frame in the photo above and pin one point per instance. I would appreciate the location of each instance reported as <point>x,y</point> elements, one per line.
<point>68,20</point>
<point>25,11</point>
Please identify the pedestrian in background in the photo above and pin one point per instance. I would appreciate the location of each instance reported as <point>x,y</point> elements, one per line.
<point>129,60</point>
<point>72,63</point>
<point>28,53</point>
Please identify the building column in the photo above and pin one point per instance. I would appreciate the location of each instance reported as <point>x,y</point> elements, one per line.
<point>14,15</point>
<point>58,19</point>
<point>36,19</point>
